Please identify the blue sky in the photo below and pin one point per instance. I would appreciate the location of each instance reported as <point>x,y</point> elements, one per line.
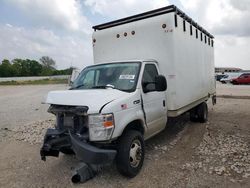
<point>62,29</point>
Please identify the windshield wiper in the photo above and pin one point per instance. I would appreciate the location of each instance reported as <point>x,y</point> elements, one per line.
<point>104,86</point>
<point>81,85</point>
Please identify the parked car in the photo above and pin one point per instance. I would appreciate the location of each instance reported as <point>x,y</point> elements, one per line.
<point>219,76</point>
<point>229,76</point>
<point>242,79</point>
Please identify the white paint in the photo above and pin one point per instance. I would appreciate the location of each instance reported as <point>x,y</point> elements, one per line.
<point>94,98</point>
<point>178,53</point>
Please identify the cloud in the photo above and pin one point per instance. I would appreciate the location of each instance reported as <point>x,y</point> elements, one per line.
<point>243,5</point>
<point>59,28</point>
<point>120,8</point>
<point>232,52</point>
<point>235,18</point>
<point>18,42</point>
<point>224,17</point>
<point>64,14</point>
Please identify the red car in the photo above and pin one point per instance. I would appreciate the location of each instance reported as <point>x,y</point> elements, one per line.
<point>242,79</point>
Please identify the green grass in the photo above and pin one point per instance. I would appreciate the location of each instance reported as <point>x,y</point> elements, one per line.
<point>36,82</point>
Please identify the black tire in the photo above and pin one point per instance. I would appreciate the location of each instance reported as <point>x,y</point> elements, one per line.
<point>67,151</point>
<point>193,115</point>
<point>126,165</point>
<point>202,112</point>
<point>199,113</point>
<point>234,83</point>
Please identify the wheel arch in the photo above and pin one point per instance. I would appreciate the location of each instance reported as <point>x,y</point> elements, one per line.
<point>137,125</point>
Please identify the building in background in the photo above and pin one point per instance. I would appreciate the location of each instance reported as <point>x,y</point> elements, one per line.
<point>227,69</point>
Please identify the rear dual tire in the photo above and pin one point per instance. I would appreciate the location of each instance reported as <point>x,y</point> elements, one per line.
<point>199,113</point>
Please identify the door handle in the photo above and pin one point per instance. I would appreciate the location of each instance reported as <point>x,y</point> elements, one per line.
<point>164,103</point>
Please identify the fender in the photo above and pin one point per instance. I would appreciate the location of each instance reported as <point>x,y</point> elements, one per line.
<point>124,118</point>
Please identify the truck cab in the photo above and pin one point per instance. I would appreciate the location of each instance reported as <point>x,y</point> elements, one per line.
<point>106,102</point>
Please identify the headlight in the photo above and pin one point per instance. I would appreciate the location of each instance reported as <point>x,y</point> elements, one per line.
<point>101,127</point>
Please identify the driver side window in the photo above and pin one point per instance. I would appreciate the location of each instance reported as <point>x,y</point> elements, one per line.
<point>149,74</point>
<point>90,79</point>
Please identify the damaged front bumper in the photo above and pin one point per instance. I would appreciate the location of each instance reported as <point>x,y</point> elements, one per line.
<point>71,134</point>
<point>56,141</point>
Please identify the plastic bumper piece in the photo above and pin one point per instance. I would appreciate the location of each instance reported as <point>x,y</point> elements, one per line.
<point>91,154</point>
<point>55,140</point>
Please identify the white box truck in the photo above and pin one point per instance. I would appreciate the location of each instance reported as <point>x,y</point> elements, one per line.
<point>147,67</point>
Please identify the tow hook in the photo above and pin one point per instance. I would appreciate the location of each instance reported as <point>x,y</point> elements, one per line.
<point>84,172</point>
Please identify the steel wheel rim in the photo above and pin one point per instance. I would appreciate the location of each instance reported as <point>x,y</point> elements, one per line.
<point>135,153</point>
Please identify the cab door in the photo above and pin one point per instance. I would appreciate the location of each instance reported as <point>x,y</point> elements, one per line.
<point>154,102</point>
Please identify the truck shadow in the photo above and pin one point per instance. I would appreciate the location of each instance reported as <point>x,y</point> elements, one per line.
<point>154,145</point>
<point>173,127</point>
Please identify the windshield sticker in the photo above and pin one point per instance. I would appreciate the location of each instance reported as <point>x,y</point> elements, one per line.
<point>127,77</point>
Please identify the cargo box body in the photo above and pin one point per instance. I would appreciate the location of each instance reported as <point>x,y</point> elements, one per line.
<point>186,60</point>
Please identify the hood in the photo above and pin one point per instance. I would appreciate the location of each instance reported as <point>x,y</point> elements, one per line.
<point>95,99</point>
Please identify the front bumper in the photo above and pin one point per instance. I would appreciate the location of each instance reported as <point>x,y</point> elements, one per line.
<point>56,141</point>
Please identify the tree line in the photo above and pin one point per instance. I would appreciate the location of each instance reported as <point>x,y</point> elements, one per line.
<point>46,66</point>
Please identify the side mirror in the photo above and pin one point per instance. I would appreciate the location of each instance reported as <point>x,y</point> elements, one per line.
<point>145,87</point>
<point>160,83</point>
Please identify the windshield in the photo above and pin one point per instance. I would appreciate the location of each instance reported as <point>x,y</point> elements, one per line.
<point>121,76</point>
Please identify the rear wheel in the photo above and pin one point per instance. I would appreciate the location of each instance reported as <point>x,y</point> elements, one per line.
<point>193,115</point>
<point>202,112</point>
<point>199,113</point>
<point>130,154</point>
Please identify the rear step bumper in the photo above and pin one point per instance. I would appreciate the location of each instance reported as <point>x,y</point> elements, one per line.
<point>56,140</point>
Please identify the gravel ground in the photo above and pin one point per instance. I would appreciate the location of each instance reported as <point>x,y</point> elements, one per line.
<point>185,154</point>
<point>21,105</point>
<point>233,90</point>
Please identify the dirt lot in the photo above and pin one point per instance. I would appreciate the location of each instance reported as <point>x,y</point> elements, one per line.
<point>22,104</point>
<point>233,90</point>
<point>186,154</point>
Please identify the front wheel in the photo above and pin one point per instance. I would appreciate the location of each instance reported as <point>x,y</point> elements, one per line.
<point>130,154</point>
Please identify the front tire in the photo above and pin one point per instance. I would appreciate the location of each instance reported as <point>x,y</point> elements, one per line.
<point>130,154</point>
